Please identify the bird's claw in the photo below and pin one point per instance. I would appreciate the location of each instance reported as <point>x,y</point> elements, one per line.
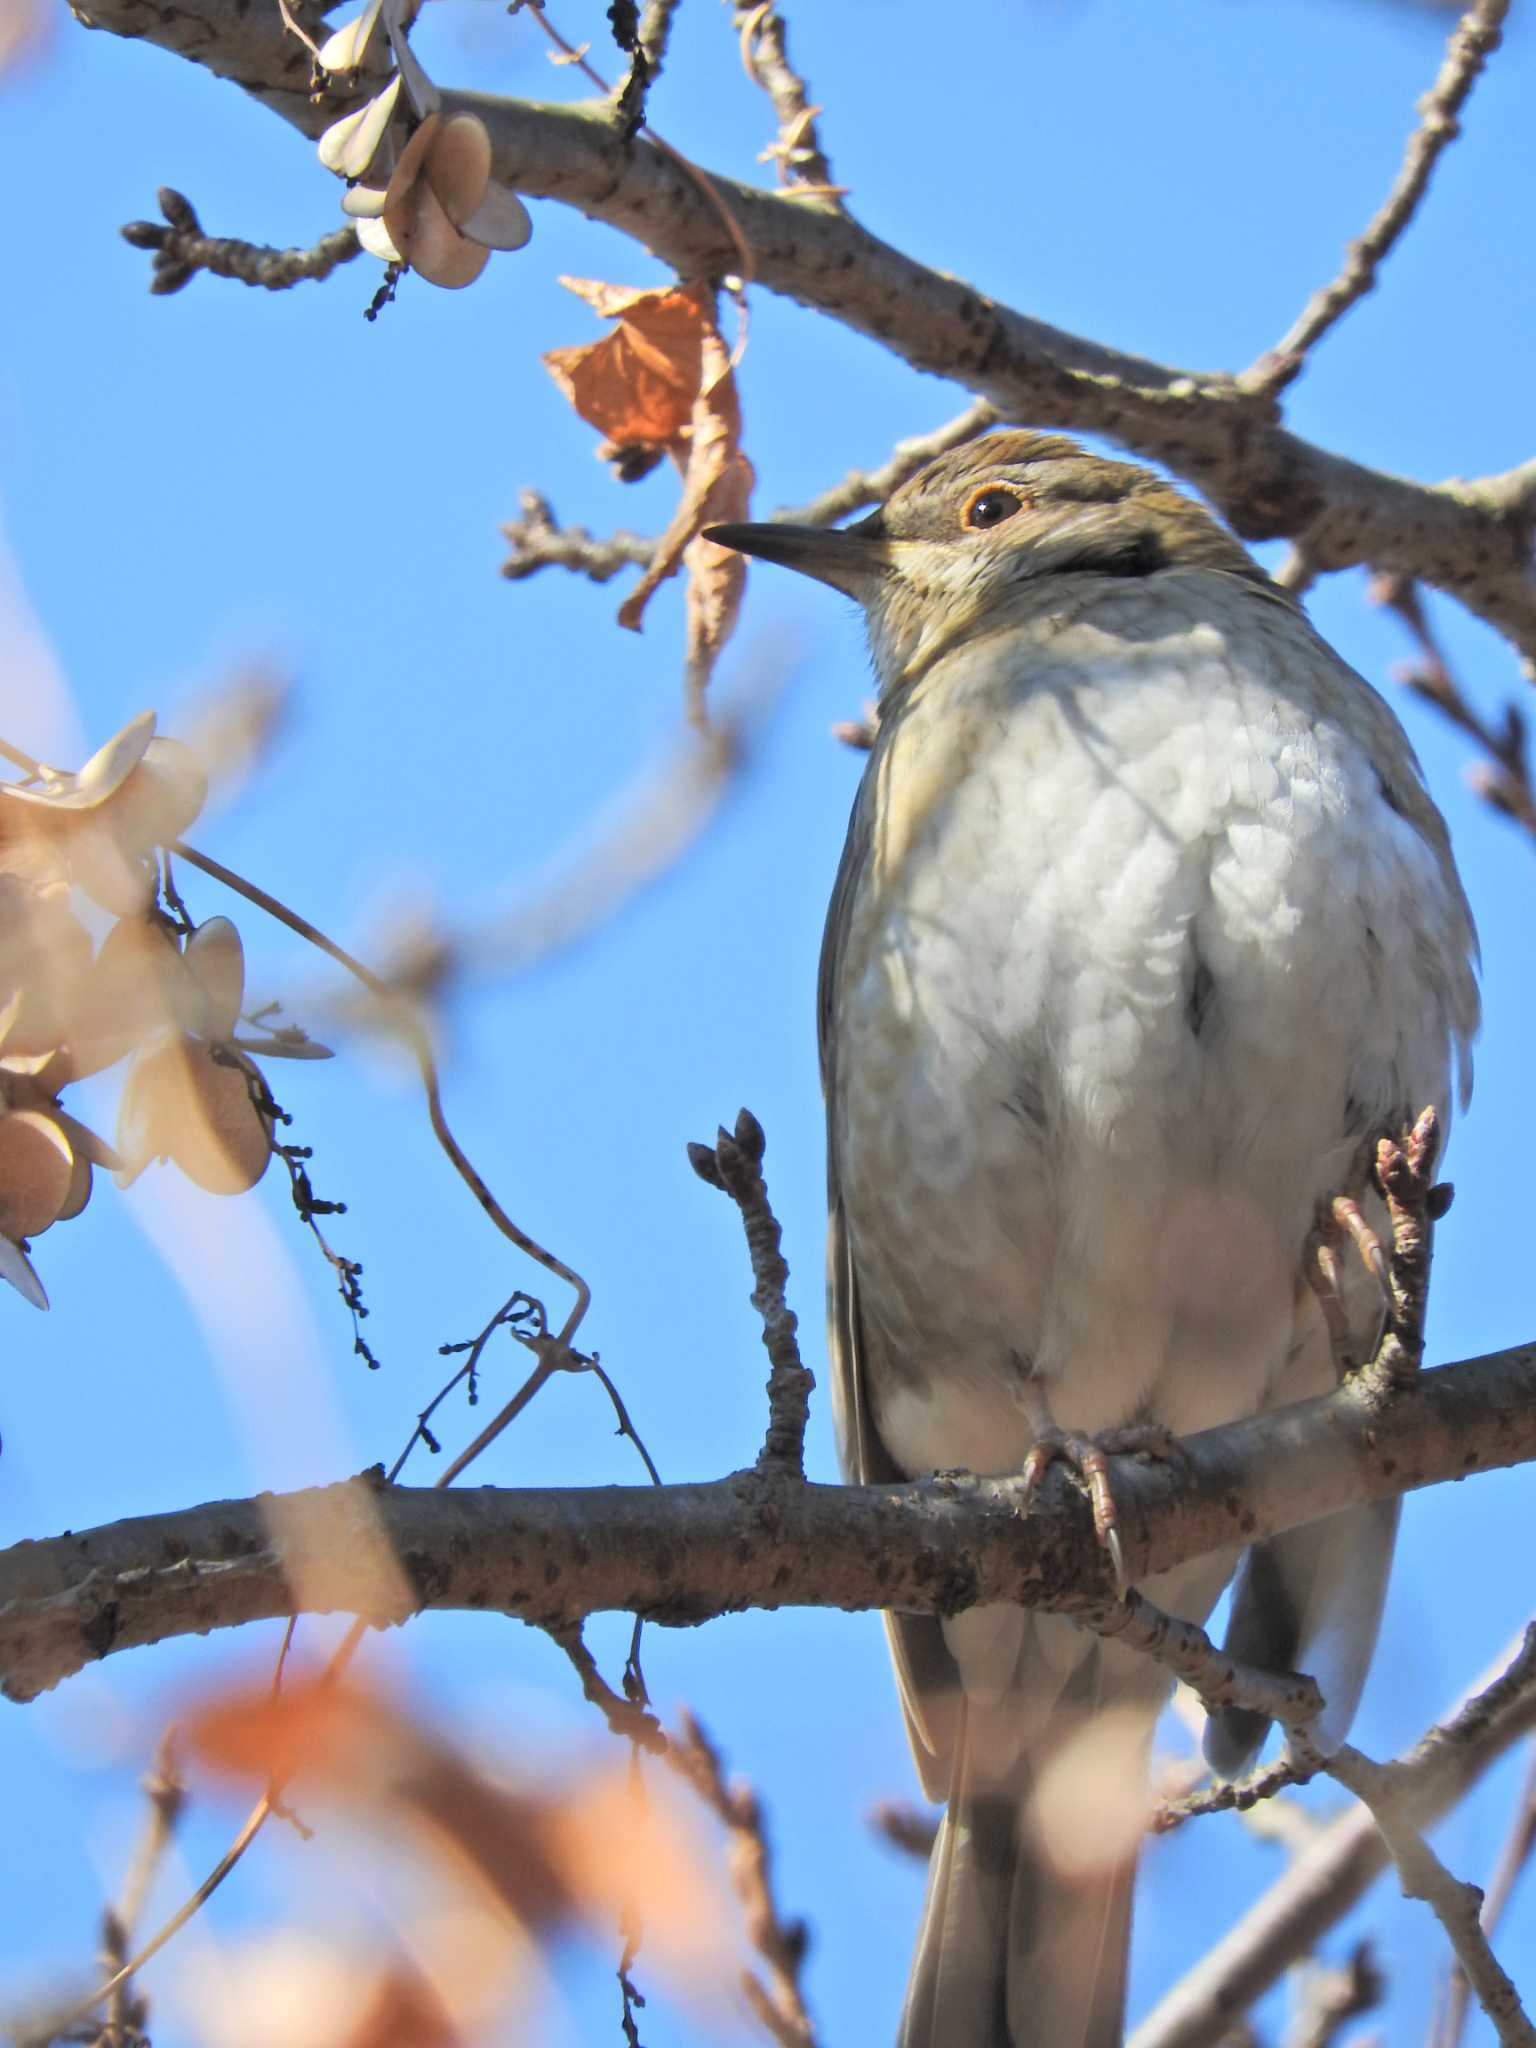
<point>1347,1215</point>
<point>1089,1459</point>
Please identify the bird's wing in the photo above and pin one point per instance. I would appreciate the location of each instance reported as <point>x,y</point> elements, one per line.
<point>926,1678</point>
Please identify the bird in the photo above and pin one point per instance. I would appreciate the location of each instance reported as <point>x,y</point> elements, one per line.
<point>1146,930</point>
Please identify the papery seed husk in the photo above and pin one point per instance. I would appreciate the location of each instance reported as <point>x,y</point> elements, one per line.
<point>459,166</point>
<point>36,1172</point>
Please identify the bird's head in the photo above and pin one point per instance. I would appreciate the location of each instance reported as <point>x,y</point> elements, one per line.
<point>980,531</point>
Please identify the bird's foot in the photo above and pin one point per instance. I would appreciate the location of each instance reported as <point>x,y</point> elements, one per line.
<point>1348,1218</point>
<point>1342,1221</point>
<point>1089,1457</point>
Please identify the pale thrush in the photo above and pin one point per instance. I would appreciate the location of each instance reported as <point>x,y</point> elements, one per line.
<point>1146,929</point>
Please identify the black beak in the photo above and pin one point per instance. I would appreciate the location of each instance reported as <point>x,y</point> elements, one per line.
<point>847,557</point>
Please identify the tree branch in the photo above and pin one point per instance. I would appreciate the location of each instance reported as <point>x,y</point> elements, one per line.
<point>681,1554</point>
<point>1323,1882</point>
<point>1470,539</point>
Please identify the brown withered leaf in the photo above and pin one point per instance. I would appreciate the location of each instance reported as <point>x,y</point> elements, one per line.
<point>665,377</point>
<point>717,486</point>
<point>637,384</point>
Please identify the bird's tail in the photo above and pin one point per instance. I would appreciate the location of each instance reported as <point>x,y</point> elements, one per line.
<point>1013,1951</point>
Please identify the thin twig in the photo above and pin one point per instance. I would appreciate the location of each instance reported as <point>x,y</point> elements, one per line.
<point>1473,40</point>
<point>655,33</point>
<point>906,1828</point>
<point>780,2006</point>
<point>181,250</point>
<point>404,1018</point>
<point>1516,1853</point>
<point>1324,1882</point>
<point>1328,1996</point>
<point>1504,781</point>
<point>539,541</point>
<point>1221,1681</point>
<point>734,1164</point>
<point>1236,1797</point>
<point>746,267</point>
<point>797,156</point>
<point>780,1942</point>
<point>863,487</point>
<point>1456,1905</point>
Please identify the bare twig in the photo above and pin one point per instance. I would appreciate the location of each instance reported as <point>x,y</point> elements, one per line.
<point>1516,1853</point>
<point>181,250</point>
<point>627,1718</point>
<point>780,1942</point>
<point>404,1018</point>
<point>1456,1905</point>
<point>780,2005</point>
<point>906,1828</point>
<point>863,487</point>
<point>656,31</point>
<point>1324,1882</point>
<point>1473,40</point>
<point>1236,1797</point>
<point>734,1164</point>
<point>1186,1650</point>
<point>1504,781</point>
<point>1328,1996</point>
<point>538,541</point>
<point>802,166</point>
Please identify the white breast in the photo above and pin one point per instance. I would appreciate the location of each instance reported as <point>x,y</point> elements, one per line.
<point>1139,959</point>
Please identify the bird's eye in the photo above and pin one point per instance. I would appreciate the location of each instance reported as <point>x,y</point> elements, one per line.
<point>992,506</point>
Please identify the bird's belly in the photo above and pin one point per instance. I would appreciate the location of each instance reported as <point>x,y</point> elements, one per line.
<point>1095,1056</point>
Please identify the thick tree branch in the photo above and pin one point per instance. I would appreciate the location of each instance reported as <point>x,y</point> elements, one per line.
<point>1471,539</point>
<point>680,1554</point>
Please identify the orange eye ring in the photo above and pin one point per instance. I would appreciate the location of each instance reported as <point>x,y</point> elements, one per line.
<point>991,506</point>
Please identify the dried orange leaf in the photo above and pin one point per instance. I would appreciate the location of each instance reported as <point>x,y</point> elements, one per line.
<point>716,476</point>
<point>717,578</point>
<point>641,381</point>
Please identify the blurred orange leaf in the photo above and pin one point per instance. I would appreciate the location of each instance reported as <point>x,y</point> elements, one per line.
<point>597,1847</point>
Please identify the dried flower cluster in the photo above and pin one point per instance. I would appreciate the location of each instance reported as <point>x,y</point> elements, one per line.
<point>418,187</point>
<point>156,994</point>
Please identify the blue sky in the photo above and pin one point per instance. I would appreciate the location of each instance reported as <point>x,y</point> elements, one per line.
<point>192,485</point>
